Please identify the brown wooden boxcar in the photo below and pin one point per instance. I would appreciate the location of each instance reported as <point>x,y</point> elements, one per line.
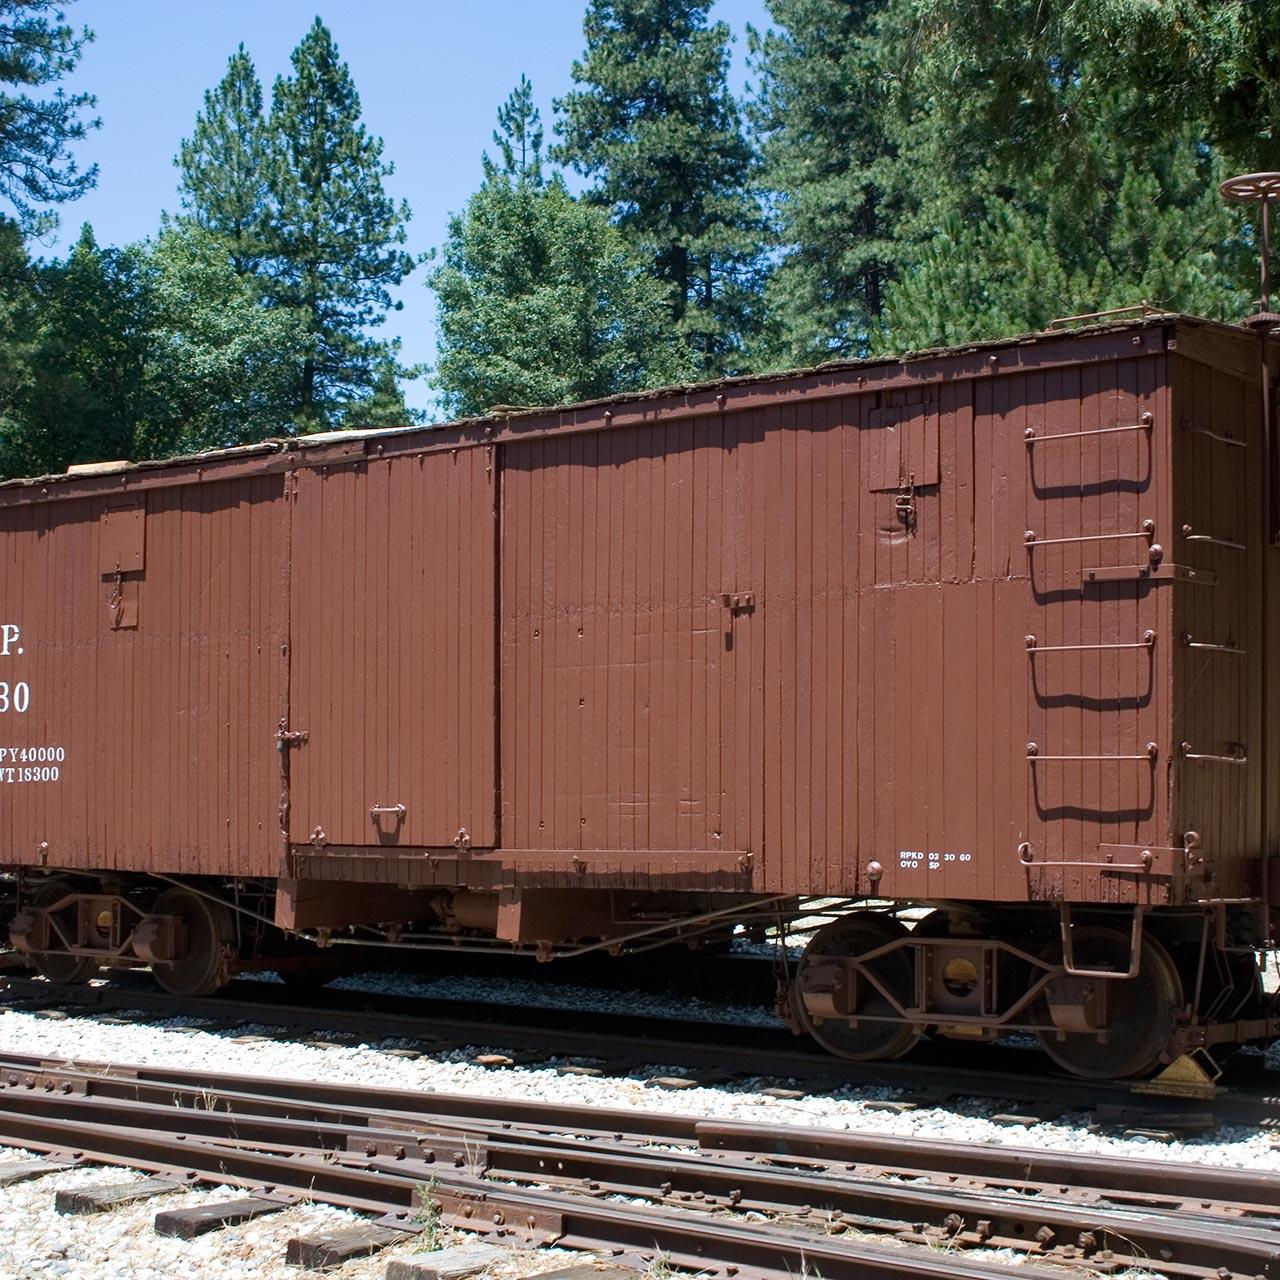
<point>989,629</point>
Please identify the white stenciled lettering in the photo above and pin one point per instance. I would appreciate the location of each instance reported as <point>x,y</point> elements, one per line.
<point>16,698</point>
<point>33,764</point>
<point>930,859</point>
<point>10,635</point>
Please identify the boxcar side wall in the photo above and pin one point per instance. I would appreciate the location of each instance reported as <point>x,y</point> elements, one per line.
<point>147,634</point>
<point>908,629</point>
<point>797,639</point>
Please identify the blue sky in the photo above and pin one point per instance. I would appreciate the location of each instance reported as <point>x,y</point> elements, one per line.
<point>431,76</point>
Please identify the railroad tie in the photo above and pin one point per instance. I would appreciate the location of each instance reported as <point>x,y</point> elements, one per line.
<point>324,1249</point>
<point>196,1219</point>
<point>82,1200</point>
<point>455,1263</point>
<point>26,1170</point>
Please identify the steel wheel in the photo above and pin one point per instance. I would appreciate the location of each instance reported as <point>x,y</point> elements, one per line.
<point>210,932</point>
<point>61,966</point>
<point>1142,1008</point>
<point>855,935</point>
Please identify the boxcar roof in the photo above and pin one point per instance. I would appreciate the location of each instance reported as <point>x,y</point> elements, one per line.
<point>1052,348</point>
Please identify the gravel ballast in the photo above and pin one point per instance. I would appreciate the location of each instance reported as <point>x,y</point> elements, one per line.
<point>177,1043</point>
<point>36,1243</point>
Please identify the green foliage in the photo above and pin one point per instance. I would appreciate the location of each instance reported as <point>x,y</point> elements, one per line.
<point>221,368</point>
<point>37,50</point>
<point>384,406</point>
<point>943,172</point>
<point>1036,75</point>
<point>541,302</point>
<point>990,259</point>
<point>296,199</point>
<point>518,137</point>
<point>655,126</point>
<point>91,357</point>
<point>18,347</point>
<point>819,121</point>
<point>334,235</point>
<point>223,180</point>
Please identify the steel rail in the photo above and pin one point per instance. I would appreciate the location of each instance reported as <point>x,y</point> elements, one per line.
<point>1184,1230</point>
<point>392,1189</point>
<point>867,1198</point>
<point>255,1111</point>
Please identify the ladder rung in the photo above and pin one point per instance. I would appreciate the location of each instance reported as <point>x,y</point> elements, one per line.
<point>1034,756</point>
<point>1143,424</point>
<point>1033,540</point>
<point>1147,641</point>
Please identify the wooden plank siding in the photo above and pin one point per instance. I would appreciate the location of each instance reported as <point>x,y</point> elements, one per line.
<point>770,635</point>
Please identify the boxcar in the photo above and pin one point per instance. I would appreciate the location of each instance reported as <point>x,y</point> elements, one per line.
<point>987,631</point>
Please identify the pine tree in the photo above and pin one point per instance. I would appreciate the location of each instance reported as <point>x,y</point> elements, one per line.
<point>540,299</point>
<point>1037,76</point>
<point>335,236</point>
<point>818,116</point>
<point>224,165</point>
<point>993,239</point>
<point>655,126</point>
<point>518,137</point>
<point>385,405</point>
<point>37,49</point>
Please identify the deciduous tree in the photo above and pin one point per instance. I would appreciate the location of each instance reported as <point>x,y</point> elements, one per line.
<point>540,299</point>
<point>221,368</point>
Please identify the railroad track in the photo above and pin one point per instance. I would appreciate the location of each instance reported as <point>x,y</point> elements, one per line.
<point>710,1052</point>
<point>742,1199</point>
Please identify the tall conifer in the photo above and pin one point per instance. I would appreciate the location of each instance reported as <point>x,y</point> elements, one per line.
<point>335,235</point>
<point>224,165</point>
<point>819,117</point>
<point>654,124</point>
<point>518,137</point>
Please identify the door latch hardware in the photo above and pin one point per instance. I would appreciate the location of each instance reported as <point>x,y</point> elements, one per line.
<point>904,504</point>
<point>738,601</point>
<point>397,811</point>
<point>286,738</point>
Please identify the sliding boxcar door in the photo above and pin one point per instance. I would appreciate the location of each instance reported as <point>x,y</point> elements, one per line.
<point>392,676</point>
